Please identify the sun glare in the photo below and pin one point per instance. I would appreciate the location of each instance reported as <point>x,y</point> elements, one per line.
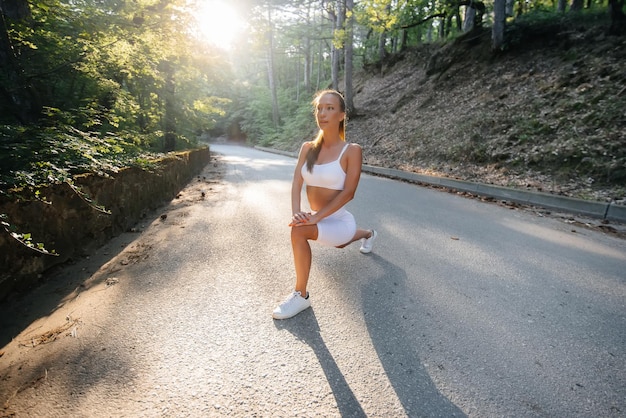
<point>218,23</point>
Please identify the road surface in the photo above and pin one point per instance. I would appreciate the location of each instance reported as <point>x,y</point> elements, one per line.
<point>464,308</point>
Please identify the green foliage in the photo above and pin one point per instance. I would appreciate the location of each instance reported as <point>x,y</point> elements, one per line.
<point>542,22</point>
<point>257,122</point>
<point>31,157</point>
<point>86,89</point>
<point>299,123</point>
<point>379,15</point>
<point>25,239</point>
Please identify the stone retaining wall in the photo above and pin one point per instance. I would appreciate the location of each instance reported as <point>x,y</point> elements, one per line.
<point>73,227</point>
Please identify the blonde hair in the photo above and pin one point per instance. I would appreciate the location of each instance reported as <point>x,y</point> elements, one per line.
<point>314,151</point>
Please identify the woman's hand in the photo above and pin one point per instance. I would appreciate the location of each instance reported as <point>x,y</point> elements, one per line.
<point>300,218</point>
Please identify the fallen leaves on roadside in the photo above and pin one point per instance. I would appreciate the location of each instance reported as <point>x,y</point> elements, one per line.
<point>111,281</point>
<point>52,335</point>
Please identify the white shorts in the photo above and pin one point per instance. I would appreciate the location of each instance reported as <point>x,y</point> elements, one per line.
<point>336,229</point>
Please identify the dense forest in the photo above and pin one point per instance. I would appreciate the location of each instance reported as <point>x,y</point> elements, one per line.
<point>95,85</point>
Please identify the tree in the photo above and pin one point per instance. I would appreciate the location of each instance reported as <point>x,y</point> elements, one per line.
<point>618,18</point>
<point>499,18</point>
<point>307,52</point>
<point>338,16</point>
<point>577,5</point>
<point>473,15</point>
<point>270,68</point>
<point>97,66</point>
<point>349,50</point>
<point>169,117</point>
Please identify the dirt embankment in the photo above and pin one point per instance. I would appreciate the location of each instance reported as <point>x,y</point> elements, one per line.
<point>547,114</point>
<point>74,220</point>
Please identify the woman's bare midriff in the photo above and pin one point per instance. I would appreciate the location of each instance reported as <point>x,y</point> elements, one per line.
<point>319,196</point>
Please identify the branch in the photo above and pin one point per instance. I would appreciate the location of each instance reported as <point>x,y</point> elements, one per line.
<point>26,240</point>
<point>480,6</point>
<point>426,19</point>
<point>87,199</point>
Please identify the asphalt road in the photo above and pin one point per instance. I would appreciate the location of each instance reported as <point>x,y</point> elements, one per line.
<point>464,308</point>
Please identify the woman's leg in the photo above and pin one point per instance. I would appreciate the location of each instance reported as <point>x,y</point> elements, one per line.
<point>300,236</point>
<point>359,234</point>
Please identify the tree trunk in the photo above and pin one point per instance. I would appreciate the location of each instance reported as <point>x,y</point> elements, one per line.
<point>297,77</point>
<point>473,15</point>
<point>561,6</point>
<point>382,40</point>
<point>404,39</point>
<point>470,15</point>
<point>336,51</point>
<point>169,141</point>
<point>270,69</point>
<point>618,18</point>
<point>457,15</point>
<point>509,8</point>
<point>349,48</point>
<point>442,28</point>
<point>308,67</point>
<point>499,20</point>
<point>577,5</point>
<point>320,67</point>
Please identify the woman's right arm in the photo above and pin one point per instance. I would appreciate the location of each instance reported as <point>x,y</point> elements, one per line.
<point>298,181</point>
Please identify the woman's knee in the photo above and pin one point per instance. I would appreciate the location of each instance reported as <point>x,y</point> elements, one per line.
<point>304,232</point>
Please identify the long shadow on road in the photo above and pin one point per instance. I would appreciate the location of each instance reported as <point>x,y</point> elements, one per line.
<point>306,328</point>
<point>395,340</point>
<point>394,336</point>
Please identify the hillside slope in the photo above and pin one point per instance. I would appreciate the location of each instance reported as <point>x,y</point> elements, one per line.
<point>548,114</point>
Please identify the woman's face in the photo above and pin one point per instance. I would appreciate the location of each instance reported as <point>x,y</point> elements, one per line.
<point>328,113</point>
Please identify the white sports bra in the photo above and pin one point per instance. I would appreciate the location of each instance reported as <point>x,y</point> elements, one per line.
<point>329,175</point>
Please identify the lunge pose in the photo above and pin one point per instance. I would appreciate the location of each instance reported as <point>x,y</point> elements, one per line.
<point>331,168</point>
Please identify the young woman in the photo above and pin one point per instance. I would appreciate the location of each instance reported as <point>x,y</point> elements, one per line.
<point>331,169</point>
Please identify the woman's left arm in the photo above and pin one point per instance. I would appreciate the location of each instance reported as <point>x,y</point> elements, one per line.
<point>354,160</point>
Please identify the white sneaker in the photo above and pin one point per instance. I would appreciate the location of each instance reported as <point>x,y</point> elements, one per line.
<point>368,243</point>
<point>292,306</point>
